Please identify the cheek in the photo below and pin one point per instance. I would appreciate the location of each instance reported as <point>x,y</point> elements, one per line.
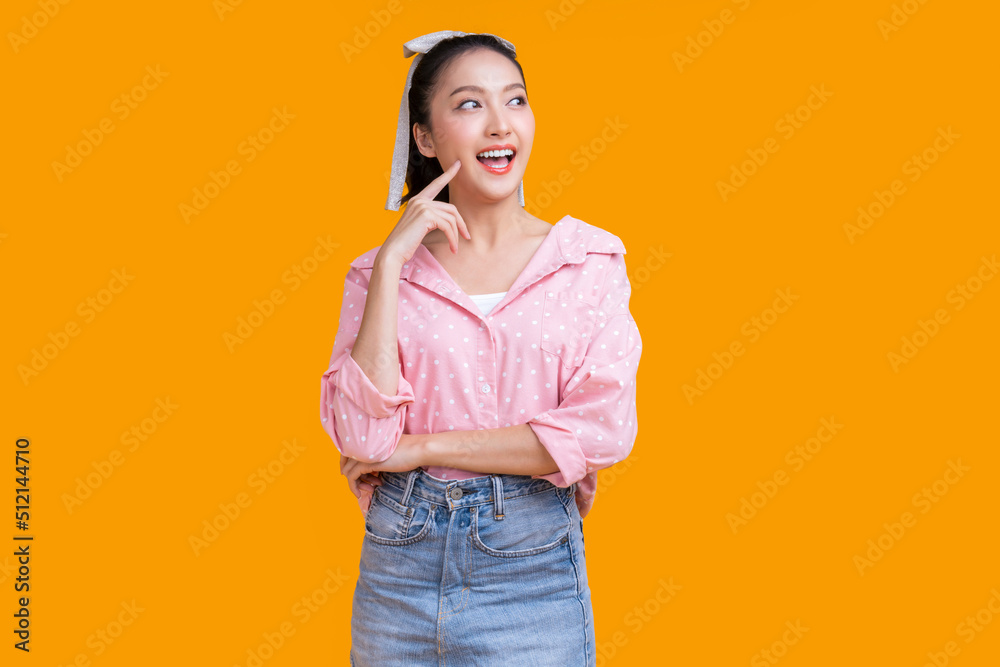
<point>528,122</point>
<point>526,131</point>
<point>453,134</point>
<point>525,149</point>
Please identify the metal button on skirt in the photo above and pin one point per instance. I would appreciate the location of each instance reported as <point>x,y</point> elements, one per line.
<point>483,571</point>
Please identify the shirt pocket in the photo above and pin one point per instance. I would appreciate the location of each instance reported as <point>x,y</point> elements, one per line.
<point>568,320</point>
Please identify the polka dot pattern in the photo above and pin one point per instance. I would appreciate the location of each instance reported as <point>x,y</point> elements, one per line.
<point>559,352</point>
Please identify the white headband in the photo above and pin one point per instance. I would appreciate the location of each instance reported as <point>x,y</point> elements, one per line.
<point>401,151</point>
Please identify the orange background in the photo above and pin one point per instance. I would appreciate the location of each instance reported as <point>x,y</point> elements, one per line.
<point>702,266</point>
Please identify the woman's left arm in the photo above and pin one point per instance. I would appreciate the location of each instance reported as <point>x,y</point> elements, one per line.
<point>512,450</point>
<point>595,424</point>
<point>593,427</point>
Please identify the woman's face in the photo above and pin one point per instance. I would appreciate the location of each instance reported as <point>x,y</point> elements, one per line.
<point>480,102</point>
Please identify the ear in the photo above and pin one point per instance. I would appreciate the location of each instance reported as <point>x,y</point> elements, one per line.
<point>425,144</point>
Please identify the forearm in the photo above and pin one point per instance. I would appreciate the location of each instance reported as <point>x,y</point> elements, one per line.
<point>512,450</point>
<point>375,349</point>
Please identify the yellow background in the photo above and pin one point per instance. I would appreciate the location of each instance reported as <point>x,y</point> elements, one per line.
<point>661,517</point>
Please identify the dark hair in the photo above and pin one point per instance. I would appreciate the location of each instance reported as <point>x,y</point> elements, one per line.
<point>421,170</point>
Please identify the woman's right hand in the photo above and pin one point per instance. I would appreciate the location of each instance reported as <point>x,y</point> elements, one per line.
<point>423,215</point>
<point>363,487</point>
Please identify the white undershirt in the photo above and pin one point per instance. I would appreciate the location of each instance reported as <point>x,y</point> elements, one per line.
<point>486,302</point>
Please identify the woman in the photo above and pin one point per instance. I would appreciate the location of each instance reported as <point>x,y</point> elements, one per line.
<point>483,372</point>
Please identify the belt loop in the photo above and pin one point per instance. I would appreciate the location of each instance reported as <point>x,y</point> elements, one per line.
<point>497,498</point>
<point>410,479</point>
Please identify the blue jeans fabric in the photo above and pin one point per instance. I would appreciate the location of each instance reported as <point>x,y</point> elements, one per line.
<point>483,571</point>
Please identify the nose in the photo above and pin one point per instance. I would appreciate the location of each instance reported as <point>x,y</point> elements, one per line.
<point>498,125</point>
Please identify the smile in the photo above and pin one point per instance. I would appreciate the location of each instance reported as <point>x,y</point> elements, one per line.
<point>497,160</point>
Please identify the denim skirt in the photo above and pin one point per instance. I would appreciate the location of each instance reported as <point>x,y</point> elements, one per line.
<point>482,571</point>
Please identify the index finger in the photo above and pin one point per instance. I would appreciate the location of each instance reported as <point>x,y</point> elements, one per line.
<point>437,185</point>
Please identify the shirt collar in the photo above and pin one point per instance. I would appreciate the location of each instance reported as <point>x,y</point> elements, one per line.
<point>569,242</point>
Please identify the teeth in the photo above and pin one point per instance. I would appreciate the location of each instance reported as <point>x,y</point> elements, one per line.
<point>505,151</point>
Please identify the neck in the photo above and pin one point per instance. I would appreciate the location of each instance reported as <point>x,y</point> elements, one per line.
<point>490,223</point>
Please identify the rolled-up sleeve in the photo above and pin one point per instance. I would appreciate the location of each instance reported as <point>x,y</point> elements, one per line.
<point>595,424</point>
<point>363,423</point>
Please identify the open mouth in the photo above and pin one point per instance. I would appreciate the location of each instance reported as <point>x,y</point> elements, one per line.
<point>497,161</point>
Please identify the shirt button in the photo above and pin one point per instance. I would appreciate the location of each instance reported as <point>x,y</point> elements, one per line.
<point>486,389</point>
<point>455,493</point>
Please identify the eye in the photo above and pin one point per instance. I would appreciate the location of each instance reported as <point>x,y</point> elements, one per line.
<point>522,99</point>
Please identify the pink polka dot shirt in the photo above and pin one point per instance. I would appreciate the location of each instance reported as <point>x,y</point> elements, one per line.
<point>559,352</point>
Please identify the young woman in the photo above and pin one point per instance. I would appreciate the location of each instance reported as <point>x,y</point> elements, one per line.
<point>483,372</point>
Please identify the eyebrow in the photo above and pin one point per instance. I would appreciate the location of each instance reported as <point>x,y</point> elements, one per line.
<point>477,89</point>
